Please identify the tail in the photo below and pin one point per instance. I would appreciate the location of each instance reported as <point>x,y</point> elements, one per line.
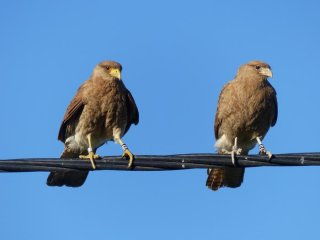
<point>224,177</point>
<point>74,178</point>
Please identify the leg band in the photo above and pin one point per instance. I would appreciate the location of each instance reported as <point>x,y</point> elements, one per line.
<point>124,147</point>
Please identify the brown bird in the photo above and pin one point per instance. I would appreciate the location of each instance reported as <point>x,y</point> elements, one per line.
<point>102,110</point>
<point>247,108</point>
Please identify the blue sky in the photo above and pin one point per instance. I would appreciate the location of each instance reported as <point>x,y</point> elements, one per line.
<point>176,57</point>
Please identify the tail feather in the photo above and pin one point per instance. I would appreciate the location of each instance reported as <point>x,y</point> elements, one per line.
<point>224,177</point>
<point>68,178</point>
<point>74,178</point>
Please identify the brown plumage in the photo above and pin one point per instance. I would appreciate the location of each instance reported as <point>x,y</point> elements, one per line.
<point>247,108</point>
<point>103,109</point>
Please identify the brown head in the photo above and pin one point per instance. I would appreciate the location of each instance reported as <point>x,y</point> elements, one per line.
<point>107,69</point>
<point>257,69</point>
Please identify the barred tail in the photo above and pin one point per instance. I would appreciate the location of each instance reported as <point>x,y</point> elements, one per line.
<point>224,177</point>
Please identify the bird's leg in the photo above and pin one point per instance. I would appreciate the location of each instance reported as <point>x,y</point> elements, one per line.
<point>235,151</point>
<point>262,149</point>
<point>91,154</point>
<point>126,151</point>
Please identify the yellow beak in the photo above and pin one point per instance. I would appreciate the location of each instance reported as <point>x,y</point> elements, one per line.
<point>114,72</point>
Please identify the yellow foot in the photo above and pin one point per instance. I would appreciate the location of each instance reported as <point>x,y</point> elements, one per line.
<point>90,156</point>
<point>127,154</point>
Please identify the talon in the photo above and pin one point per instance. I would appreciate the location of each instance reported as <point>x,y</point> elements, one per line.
<point>239,151</point>
<point>235,151</point>
<point>91,156</point>
<point>264,152</point>
<point>130,157</point>
<point>269,154</point>
<point>233,158</point>
<point>262,149</point>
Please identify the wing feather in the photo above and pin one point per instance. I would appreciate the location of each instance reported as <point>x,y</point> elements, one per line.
<point>275,104</point>
<point>221,113</point>
<point>72,115</point>
<point>132,111</point>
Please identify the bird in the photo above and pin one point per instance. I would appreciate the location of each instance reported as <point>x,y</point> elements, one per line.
<point>102,110</point>
<point>247,108</point>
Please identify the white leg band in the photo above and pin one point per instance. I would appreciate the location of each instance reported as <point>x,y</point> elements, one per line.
<point>90,149</point>
<point>124,146</point>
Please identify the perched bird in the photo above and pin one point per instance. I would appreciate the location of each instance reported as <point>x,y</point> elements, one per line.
<point>103,109</point>
<point>247,108</point>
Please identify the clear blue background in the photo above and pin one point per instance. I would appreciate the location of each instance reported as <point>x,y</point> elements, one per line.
<point>176,57</point>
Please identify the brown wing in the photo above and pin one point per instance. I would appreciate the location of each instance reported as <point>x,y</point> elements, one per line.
<point>132,111</point>
<point>275,104</point>
<point>221,113</point>
<point>72,115</point>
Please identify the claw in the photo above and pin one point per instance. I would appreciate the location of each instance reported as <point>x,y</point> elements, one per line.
<point>235,151</point>
<point>269,154</point>
<point>233,158</point>
<point>91,156</point>
<point>127,154</point>
<point>262,149</point>
<point>264,152</point>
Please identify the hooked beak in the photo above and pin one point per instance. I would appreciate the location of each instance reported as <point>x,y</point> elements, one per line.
<point>266,72</point>
<point>115,73</point>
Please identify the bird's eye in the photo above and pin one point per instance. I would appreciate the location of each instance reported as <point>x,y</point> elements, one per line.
<point>258,67</point>
<point>107,67</point>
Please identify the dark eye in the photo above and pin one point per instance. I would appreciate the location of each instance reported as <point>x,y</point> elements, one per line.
<point>258,67</point>
<point>107,67</point>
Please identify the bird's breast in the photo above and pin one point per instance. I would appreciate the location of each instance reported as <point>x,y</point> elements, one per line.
<point>103,112</point>
<point>248,114</point>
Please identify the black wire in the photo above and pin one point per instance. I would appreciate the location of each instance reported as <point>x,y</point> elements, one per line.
<point>159,162</point>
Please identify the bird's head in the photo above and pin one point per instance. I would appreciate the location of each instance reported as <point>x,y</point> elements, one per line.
<point>108,68</point>
<point>256,68</point>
